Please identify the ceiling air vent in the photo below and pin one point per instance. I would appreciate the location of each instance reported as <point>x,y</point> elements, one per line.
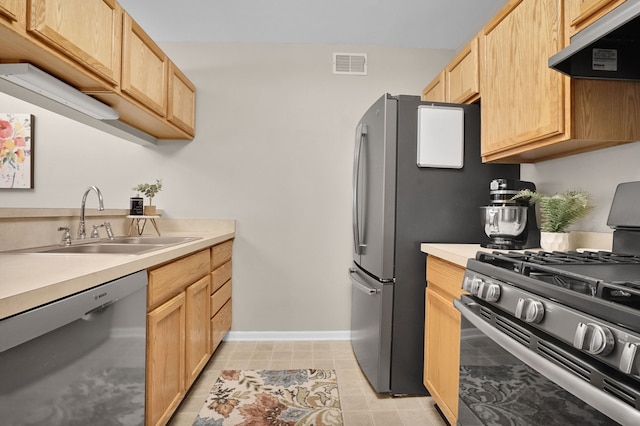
<point>350,63</point>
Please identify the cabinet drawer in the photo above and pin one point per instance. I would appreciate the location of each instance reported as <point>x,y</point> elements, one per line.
<point>220,276</point>
<point>221,253</point>
<point>444,276</point>
<point>173,277</point>
<point>220,324</point>
<point>220,297</point>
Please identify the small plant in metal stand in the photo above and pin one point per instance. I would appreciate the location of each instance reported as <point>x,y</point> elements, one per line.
<point>149,190</point>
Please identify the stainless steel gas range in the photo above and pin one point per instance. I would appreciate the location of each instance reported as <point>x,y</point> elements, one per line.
<point>553,338</point>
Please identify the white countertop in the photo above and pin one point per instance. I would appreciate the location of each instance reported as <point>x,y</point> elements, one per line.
<point>454,253</point>
<point>30,280</point>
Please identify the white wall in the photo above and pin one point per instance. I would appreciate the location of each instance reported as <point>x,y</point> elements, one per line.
<point>598,172</point>
<point>273,150</point>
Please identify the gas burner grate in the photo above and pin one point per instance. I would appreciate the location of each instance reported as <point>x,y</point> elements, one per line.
<point>562,258</point>
<point>572,271</point>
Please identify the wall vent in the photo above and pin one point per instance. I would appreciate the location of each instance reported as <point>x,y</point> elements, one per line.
<point>350,63</point>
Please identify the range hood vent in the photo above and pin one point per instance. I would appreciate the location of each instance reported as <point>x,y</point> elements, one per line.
<point>609,49</point>
<point>38,81</point>
<point>30,84</point>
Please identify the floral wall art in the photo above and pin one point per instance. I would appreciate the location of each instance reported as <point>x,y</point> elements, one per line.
<point>16,150</point>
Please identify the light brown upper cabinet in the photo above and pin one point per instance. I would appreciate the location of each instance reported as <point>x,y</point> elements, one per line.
<point>463,75</point>
<point>145,68</point>
<point>459,82</point>
<point>435,91</point>
<point>95,47</point>
<point>181,100</point>
<point>581,13</point>
<point>533,113</point>
<point>13,11</point>
<point>95,42</point>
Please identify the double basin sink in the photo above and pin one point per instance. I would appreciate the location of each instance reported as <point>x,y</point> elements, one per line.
<point>118,245</point>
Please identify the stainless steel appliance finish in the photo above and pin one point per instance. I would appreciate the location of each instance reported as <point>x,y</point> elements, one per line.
<point>78,360</point>
<point>509,222</point>
<point>511,374</point>
<point>608,49</point>
<point>396,206</point>
<point>571,318</point>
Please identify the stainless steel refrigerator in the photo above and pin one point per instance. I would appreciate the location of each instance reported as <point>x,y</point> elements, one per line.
<point>397,205</point>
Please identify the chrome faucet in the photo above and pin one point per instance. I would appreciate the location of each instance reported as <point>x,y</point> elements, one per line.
<point>82,233</point>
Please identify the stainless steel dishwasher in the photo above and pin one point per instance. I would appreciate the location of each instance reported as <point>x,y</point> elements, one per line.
<point>79,360</point>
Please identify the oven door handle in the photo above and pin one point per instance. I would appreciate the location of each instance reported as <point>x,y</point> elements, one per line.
<point>612,407</point>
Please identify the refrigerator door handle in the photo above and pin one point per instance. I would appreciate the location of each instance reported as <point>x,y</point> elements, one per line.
<point>362,286</point>
<point>361,133</point>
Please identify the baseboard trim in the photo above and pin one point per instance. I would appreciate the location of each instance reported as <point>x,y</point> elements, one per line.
<point>239,336</point>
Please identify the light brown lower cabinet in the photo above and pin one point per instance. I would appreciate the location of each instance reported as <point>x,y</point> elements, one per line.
<point>165,360</point>
<point>184,326</point>
<point>442,334</point>
<point>220,307</point>
<point>197,328</point>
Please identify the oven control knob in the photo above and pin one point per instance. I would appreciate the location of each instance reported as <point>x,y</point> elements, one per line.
<point>471,285</point>
<point>593,338</point>
<point>628,357</point>
<point>529,310</point>
<point>489,291</point>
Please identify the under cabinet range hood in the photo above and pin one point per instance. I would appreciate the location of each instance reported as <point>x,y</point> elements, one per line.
<point>30,84</point>
<point>608,49</point>
<point>38,81</point>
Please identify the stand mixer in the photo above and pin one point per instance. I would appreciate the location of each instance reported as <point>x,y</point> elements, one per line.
<point>511,224</point>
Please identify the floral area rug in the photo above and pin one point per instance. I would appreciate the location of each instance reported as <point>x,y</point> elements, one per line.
<point>273,397</point>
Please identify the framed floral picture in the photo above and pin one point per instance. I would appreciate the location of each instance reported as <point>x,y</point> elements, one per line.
<point>16,151</point>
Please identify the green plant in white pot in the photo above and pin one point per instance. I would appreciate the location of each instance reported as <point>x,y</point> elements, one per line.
<point>149,190</point>
<point>557,213</point>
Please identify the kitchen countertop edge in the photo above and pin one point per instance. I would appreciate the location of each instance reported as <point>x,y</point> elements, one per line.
<point>455,253</point>
<point>31,280</point>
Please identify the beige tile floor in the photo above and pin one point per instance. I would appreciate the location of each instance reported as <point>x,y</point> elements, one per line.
<point>361,406</point>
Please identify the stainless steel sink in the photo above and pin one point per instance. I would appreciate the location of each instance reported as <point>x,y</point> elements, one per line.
<point>119,245</point>
<point>106,248</point>
<point>165,241</point>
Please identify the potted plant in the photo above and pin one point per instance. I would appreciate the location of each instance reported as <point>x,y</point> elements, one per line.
<point>149,190</point>
<point>557,213</point>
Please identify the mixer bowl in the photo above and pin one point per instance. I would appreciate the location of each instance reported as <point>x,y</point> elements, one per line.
<point>503,221</point>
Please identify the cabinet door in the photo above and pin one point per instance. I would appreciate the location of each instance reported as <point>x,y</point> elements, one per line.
<point>463,75</point>
<point>522,99</point>
<point>181,100</point>
<point>581,13</point>
<point>14,10</point>
<point>165,360</point>
<point>89,31</point>
<point>434,91</point>
<point>144,68</point>
<point>442,334</point>
<point>442,353</point>
<point>197,328</point>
